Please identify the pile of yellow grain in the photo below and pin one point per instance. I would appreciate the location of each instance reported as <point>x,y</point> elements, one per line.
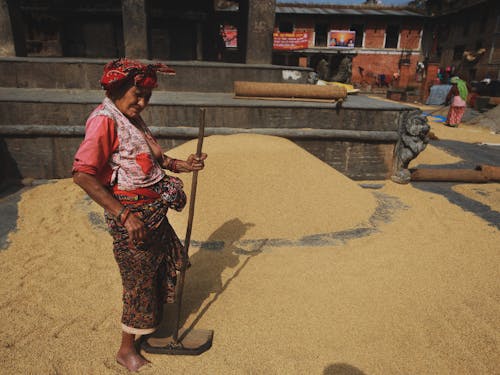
<point>274,187</point>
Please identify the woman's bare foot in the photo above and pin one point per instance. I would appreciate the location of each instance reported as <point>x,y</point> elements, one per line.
<point>128,355</point>
<point>131,360</point>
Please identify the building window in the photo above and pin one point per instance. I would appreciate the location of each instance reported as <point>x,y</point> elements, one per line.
<point>359,29</point>
<point>472,74</point>
<point>320,35</point>
<point>466,28</point>
<point>285,27</point>
<point>444,31</point>
<point>391,36</point>
<point>458,52</point>
<point>484,21</point>
<point>439,52</point>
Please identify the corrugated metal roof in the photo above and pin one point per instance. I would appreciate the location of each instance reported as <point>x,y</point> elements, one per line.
<point>358,11</point>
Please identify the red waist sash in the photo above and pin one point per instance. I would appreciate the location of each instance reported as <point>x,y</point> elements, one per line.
<point>136,196</point>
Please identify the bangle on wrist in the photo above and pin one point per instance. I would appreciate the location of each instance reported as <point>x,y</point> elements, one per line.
<point>123,219</point>
<point>172,165</point>
<point>119,216</point>
<point>169,163</point>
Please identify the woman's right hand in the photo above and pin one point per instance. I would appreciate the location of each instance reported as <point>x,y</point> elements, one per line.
<point>135,228</point>
<point>101,195</point>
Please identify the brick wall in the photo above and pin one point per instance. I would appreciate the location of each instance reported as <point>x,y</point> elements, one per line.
<point>372,65</point>
<point>410,37</point>
<point>379,60</point>
<point>374,35</point>
<point>469,27</point>
<point>374,30</point>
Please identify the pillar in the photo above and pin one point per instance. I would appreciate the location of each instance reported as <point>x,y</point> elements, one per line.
<point>430,79</point>
<point>404,75</point>
<point>135,29</point>
<point>260,27</point>
<point>11,32</point>
<point>303,61</point>
<point>199,41</point>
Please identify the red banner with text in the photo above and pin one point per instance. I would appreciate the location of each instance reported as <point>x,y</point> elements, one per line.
<point>290,41</point>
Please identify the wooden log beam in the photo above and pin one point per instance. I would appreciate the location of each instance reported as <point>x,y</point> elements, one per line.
<point>448,175</point>
<point>288,90</point>
<point>492,172</point>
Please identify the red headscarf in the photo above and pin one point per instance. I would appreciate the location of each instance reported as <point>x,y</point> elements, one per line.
<point>117,71</point>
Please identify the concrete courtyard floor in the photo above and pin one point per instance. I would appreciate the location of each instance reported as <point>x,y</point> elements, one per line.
<point>413,288</point>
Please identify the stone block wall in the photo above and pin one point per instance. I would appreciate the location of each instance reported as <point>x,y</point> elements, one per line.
<point>73,73</point>
<point>47,130</point>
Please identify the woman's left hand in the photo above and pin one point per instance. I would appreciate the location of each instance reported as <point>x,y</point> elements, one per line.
<point>195,163</point>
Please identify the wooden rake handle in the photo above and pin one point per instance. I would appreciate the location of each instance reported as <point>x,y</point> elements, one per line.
<point>187,240</point>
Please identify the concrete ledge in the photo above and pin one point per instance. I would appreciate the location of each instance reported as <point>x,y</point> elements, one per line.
<point>192,132</point>
<point>181,109</point>
<point>219,99</point>
<point>52,157</point>
<point>41,129</point>
<point>400,93</point>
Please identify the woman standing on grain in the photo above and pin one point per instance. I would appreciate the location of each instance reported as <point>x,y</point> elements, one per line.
<point>121,166</point>
<point>457,97</point>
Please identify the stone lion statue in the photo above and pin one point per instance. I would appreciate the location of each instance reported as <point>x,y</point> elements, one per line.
<point>413,139</point>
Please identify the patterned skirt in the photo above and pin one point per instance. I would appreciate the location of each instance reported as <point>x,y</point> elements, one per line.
<point>148,269</point>
<point>455,115</point>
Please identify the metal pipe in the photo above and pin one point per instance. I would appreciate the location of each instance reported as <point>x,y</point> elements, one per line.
<point>189,132</point>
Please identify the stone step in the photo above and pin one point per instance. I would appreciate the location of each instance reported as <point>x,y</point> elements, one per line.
<point>82,73</point>
<point>40,129</point>
<point>181,109</point>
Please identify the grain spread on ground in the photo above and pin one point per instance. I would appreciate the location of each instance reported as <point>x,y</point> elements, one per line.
<point>434,156</point>
<point>486,194</point>
<point>420,294</point>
